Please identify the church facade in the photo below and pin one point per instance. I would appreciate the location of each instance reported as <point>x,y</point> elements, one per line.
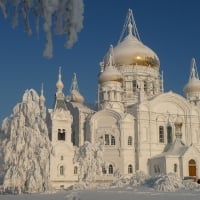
<point>143,127</point>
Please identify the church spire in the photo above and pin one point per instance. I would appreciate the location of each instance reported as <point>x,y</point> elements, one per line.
<point>42,103</point>
<point>42,98</point>
<point>111,56</point>
<point>74,85</point>
<point>59,84</point>
<point>193,72</point>
<point>130,26</point>
<point>59,97</point>
<point>192,88</point>
<point>75,95</point>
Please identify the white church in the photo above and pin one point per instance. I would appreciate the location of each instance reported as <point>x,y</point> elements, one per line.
<point>142,127</point>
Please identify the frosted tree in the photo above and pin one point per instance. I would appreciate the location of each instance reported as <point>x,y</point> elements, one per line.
<point>25,145</point>
<point>64,16</point>
<point>90,159</point>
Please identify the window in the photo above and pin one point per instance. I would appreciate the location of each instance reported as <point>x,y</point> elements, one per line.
<point>145,86</point>
<point>62,186</point>
<point>61,134</point>
<point>130,169</point>
<point>75,170</point>
<point>110,169</point>
<point>103,170</point>
<point>155,168</point>
<point>134,86</point>
<point>169,134</point>
<point>112,140</point>
<point>61,157</point>
<point>130,140</point>
<point>175,167</point>
<point>161,134</point>
<point>107,142</point>
<point>158,168</point>
<point>62,170</point>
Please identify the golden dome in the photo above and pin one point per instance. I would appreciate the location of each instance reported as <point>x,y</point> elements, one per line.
<point>131,51</point>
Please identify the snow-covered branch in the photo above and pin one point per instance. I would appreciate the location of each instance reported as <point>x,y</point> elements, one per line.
<point>65,15</point>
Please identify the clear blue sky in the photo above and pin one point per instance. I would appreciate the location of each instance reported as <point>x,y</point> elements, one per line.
<point>170,27</point>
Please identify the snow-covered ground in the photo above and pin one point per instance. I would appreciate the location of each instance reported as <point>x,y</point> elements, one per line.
<point>138,193</point>
<point>140,187</point>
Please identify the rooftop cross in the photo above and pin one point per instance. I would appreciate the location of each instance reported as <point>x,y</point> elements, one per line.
<point>130,25</point>
<point>193,72</point>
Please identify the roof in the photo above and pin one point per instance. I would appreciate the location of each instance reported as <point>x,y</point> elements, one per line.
<point>178,148</point>
<point>60,104</point>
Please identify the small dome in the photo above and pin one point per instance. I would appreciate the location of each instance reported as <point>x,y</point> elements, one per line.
<point>59,85</point>
<point>178,121</point>
<point>42,98</point>
<point>76,97</point>
<point>110,74</point>
<point>131,51</point>
<point>192,86</point>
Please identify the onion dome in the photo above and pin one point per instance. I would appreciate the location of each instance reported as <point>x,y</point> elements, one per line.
<point>76,97</point>
<point>42,98</point>
<point>131,51</point>
<point>110,73</point>
<point>193,85</point>
<point>59,84</point>
<point>178,121</point>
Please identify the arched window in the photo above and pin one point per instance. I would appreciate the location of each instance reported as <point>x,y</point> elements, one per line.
<point>158,168</point>
<point>61,157</point>
<point>61,134</point>
<point>192,167</point>
<point>169,134</point>
<point>107,141</point>
<point>161,134</point>
<point>130,140</point>
<point>75,170</point>
<point>134,85</point>
<point>110,169</point>
<point>155,168</point>
<point>145,86</point>
<point>175,167</point>
<point>112,140</point>
<point>103,170</point>
<point>61,170</point>
<point>130,169</point>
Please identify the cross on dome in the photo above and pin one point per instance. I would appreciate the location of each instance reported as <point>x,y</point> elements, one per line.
<point>193,73</point>
<point>74,85</point>
<point>129,25</point>
<point>111,56</point>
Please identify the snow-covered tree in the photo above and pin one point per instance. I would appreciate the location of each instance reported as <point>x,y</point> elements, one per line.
<point>65,15</point>
<point>90,159</point>
<point>25,145</point>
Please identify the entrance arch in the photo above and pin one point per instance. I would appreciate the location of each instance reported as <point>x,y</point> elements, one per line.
<point>192,167</point>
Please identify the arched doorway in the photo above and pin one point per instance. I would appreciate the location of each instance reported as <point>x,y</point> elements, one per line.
<point>192,167</point>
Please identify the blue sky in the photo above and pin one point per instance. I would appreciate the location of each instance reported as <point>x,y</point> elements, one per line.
<point>169,27</point>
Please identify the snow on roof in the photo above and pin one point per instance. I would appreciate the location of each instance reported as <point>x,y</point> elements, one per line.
<point>178,148</point>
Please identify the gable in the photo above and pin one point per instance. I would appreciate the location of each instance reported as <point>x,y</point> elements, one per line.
<point>170,102</point>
